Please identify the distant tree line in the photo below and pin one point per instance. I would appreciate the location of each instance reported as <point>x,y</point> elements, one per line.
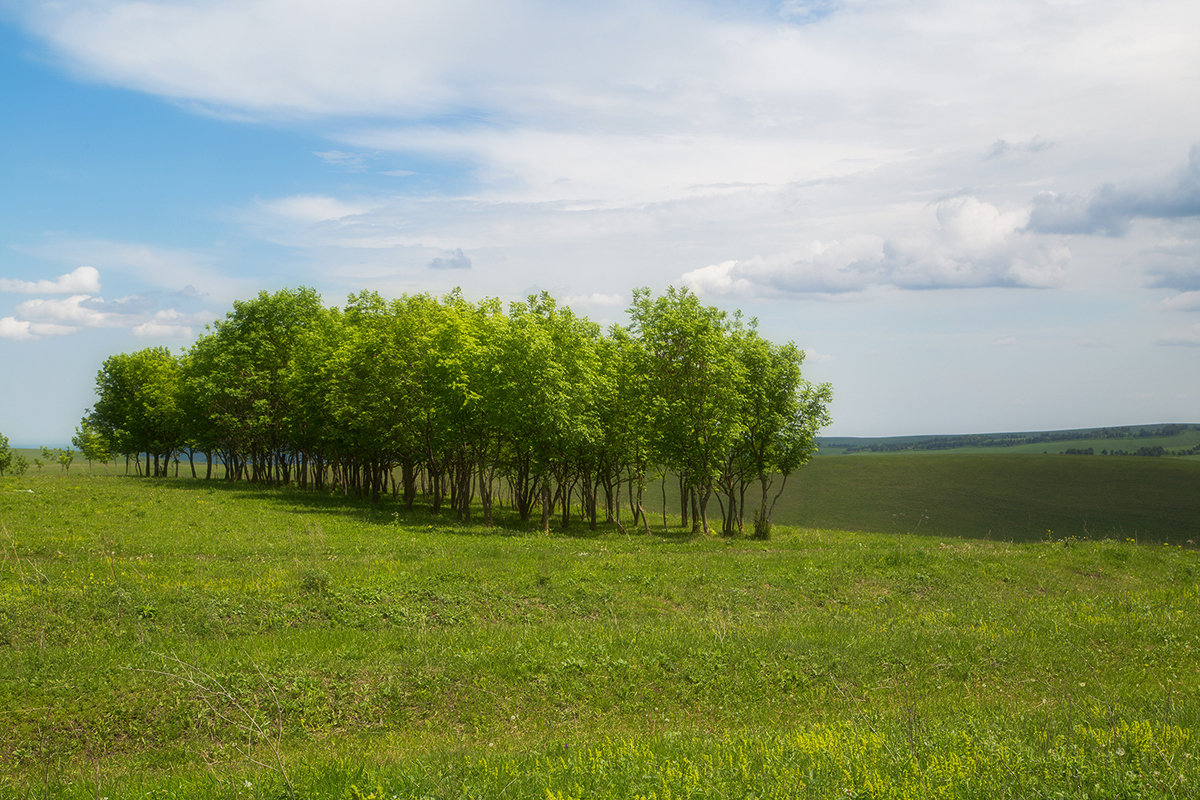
<point>469,404</point>
<point>952,442</point>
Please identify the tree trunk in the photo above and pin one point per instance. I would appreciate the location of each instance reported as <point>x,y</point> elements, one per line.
<point>696,519</point>
<point>762,523</point>
<point>683,503</point>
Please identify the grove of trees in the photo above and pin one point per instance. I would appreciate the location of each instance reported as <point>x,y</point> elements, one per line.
<point>470,405</point>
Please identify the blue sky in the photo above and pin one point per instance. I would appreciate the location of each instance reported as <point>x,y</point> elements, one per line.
<point>973,216</point>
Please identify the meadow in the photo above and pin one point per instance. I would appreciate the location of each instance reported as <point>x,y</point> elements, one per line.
<point>175,638</point>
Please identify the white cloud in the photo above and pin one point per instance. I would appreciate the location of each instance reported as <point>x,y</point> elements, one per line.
<point>155,330</point>
<point>974,244</point>
<point>313,209</point>
<point>82,279</point>
<point>813,357</point>
<point>24,330</point>
<point>15,329</point>
<point>78,310</point>
<point>1184,301</point>
<point>682,93</point>
<point>51,317</point>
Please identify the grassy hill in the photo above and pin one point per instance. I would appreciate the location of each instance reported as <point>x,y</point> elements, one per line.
<point>176,639</point>
<point>993,495</point>
<point>1011,497</point>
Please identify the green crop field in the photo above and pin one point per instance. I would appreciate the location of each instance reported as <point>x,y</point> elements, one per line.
<point>1000,496</point>
<point>172,638</point>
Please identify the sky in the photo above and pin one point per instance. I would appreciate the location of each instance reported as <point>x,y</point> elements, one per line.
<point>972,216</point>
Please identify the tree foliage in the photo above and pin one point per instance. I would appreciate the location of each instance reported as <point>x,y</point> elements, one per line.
<point>7,456</point>
<point>470,404</point>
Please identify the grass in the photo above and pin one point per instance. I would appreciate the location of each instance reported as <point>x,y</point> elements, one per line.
<point>1000,496</point>
<point>171,638</point>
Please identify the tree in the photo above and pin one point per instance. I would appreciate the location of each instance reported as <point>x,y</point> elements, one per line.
<point>91,443</point>
<point>694,377</point>
<point>466,398</point>
<point>545,373</point>
<point>11,461</point>
<point>137,407</point>
<point>780,415</point>
<point>793,445</point>
<point>239,373</point>
<point>6,455</point>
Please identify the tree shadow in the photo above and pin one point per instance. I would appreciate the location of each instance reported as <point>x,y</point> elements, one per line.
<point>391,512</point>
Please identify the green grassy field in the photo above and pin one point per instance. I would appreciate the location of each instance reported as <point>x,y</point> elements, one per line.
<point>171,638</point>
<point>995,495</point>
<point>1000,496</point>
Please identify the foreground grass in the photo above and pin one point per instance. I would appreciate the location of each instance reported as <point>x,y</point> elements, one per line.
<point>178,639</point>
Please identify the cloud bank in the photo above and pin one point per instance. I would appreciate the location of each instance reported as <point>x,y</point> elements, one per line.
<point>1110,209</point>
<point>82,279</point>
<point>974,244</point>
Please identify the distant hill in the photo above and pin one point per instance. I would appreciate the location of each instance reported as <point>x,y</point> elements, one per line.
<point>1171,439</point>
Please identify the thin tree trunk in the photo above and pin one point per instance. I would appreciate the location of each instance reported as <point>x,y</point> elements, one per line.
<point>683,502</point>
<point>696,520</point>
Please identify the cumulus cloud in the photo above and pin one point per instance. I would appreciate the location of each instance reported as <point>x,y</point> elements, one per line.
<point>974,244</point>
<point>61,316</point>
<point>82,279</point>
<point>24,330</point>
<point>454,260</point>
<point>1111,208</point>
<point>80,311</point>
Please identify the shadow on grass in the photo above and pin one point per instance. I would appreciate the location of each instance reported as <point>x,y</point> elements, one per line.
<point>388,511</point>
